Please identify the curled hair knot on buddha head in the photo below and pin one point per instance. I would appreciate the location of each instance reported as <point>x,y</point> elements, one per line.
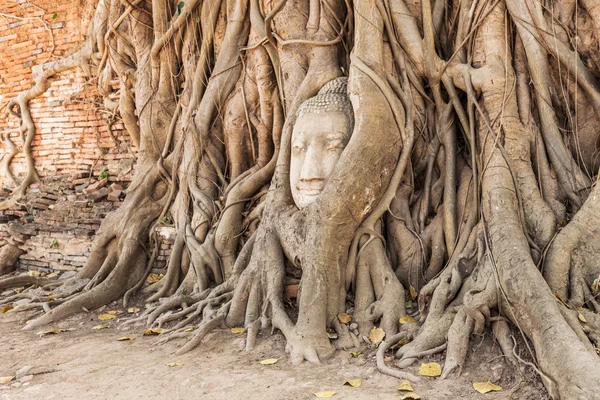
<point>333,97</point>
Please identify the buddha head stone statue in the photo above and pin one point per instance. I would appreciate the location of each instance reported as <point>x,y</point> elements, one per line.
<point>322,130</point>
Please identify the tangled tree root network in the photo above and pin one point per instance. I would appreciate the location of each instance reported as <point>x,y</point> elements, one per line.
<point>371,150</point>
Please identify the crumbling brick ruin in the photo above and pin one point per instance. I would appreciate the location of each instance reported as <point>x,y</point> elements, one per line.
<point>82,155</point>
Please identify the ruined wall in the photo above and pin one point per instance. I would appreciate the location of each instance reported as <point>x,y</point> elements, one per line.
<point>82,153</point>
<point>72,133</point>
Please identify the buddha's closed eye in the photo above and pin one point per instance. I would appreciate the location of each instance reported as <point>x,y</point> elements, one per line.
<point>336,144</point>
<point>298,147</point>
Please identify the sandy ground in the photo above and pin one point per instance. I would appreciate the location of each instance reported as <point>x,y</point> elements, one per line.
<point>90,364</point>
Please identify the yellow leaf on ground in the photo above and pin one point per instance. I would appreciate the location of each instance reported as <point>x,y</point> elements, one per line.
<point>153,331</point>
<point>125,338</point>
<point>102,326</point>
<point>152,278</point>
<point>269,361</point>
<point>112,312</point>
<point>133,310</point>
<point>484,387</point>
<point>401,342</point>
<point>325,394</point>
<point>34,273</point>
<point>5,379</point>
<point>53,274</point>
<point>355,353</point>
<point>405,386</point>
<point>237,330</point>
<point>52,332</point>
<point>410,395</point>
<point>106,317</point>
<point>344,318</point>
<point>175,364</point>
<point>413,292</point>
<point>408,320</point>
<point>6,309</point>
<point>189,330</point>
<point>353,382</point>
<point>581,317</point>
<point>431,369</point>
<point>376,335</point>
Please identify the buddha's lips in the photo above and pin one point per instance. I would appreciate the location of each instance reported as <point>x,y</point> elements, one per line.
<point>314,192</point>
<point>310,190</point>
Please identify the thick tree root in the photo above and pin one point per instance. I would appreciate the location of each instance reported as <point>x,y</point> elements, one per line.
<point>462,216</point>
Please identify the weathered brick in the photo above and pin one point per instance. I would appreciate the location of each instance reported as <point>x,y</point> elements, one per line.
<point>69,135</point>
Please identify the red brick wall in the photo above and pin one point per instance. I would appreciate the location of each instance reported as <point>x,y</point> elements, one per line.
<point>57,222</point>
<point>71,134</point>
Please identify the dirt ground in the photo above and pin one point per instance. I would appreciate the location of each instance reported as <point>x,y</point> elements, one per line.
<point>91,364</point>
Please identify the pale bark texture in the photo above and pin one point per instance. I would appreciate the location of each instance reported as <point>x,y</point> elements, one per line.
<point>459,190</point>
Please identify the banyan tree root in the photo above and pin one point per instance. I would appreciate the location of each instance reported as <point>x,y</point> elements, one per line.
<point>376,151</point>
<point>9,253</point>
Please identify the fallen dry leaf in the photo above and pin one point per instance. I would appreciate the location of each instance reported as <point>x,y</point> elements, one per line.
<point>376,335</point>
<point>101,326</point>
<point>410,395</point>
<point>189,330</point>
<point>153,331</point>
<point>152,278</point>
<point>401,343</point>
<point>52,332</point>
<point>407,320</point>
<point>53,274</point>
<point>484,387</point>
<point>355,353</point>
<point>112,312</point>
<point>106,317</point>
<point>325,394</point>
<point>175,364</point>
<point>405,386</point>
<point>5,379</point>
<point>413,292</point>
<point>353,382</point>
<point>581,317</point>
<point>269,361</point>
<point>34,273</point>
<point>431,369</point>
<point>124,338</point>
<point>237,330</point>
<point>344,318</point>
<point>6,309</point>
<point>133,310</point>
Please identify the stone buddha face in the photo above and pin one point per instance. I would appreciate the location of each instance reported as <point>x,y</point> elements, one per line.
<point>323,128</point>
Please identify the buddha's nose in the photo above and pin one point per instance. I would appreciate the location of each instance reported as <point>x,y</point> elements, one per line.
<point>312,168</point>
